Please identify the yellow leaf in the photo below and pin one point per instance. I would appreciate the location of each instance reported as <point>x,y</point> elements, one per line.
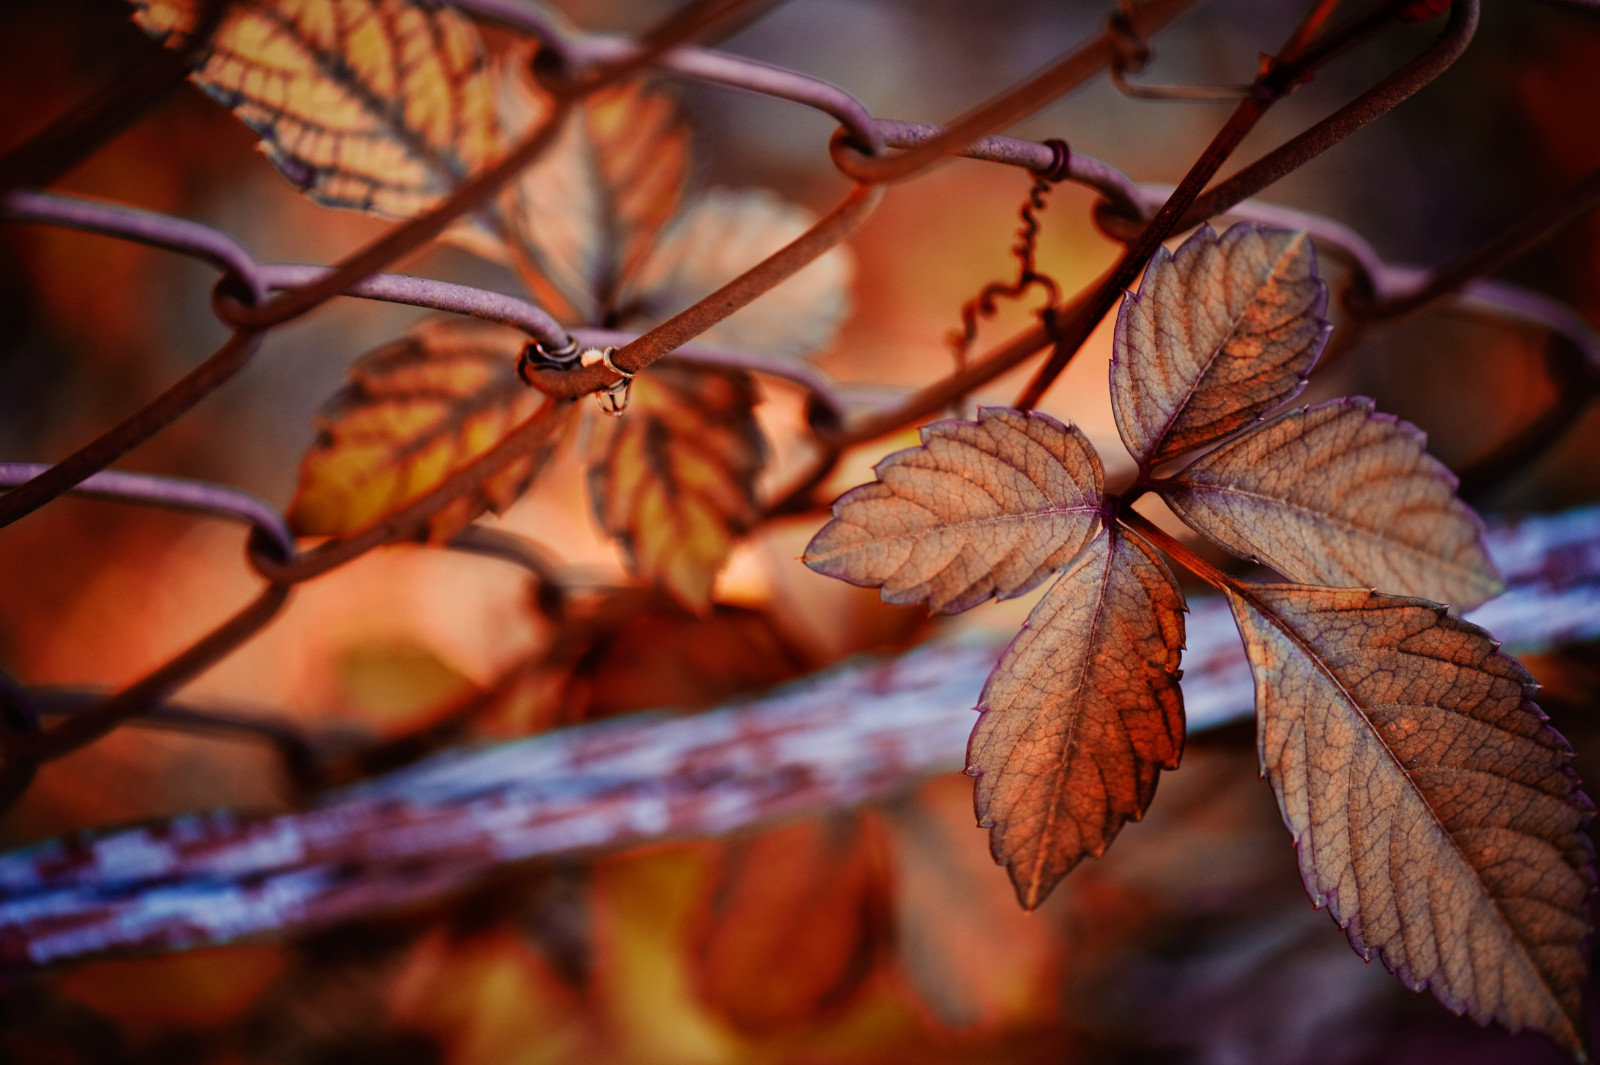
<point>380,105</point>
<point>676,486</point>
<point>415,412</point>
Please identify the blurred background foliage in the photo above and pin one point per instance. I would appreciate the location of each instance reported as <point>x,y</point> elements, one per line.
<point>879,935</point>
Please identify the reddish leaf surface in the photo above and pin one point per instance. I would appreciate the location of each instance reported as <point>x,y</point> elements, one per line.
<point>1080,715</point>
<point>676,486</point>
<point>380,105</point>
<point>416,411</point>
<point>1338,494</point>
<point>985,508</point>
<point>1433,810</point>
<point>1220,333</point>
<point>796,920</point>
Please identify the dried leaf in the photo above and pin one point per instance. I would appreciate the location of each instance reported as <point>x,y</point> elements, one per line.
<point>724,233</point>
<point>798,916</point>
<point>980,509</point>
<point>380,105</point>
<point>1080,715</point>
<point>416,411</point>
<point>676,486</point>
<point>1337,494</point>
<point>1219,334</point>
<point>1433,809</point>
<point>581,219</point>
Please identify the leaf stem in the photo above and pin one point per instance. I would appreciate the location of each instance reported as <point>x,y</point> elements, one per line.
<point>1177,549</point>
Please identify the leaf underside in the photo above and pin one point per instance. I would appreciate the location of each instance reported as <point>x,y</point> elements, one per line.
<point>980,509</point>
<point>416,411</point>
<point>1220,333</point>
<point>1433,809</point>
<point>1081,714</point>
<point>676,486</point>
<point>1337,494</point>
<point>378,105</point>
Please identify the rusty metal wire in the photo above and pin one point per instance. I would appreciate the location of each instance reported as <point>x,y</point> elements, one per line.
<point>253,297</point>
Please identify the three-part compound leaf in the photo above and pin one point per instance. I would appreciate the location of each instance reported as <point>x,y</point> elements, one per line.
<point>416,411</point>
<point>1081,714</point>
<point>980,509</point>
<point>676,486</point>
<point>380,105</point>
<point>1338,494</point>
<point>1220,333</point>
<point>1433,809</point>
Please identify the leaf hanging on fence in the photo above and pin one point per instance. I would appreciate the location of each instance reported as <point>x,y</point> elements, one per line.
<point>1433,809</point>
<point>1220,333</point>
<point>721,235</point>
<point>582,218</point>
<point>1338,494</point>
<point>676,486</point>
<point>1081,714</point>
<point>380,105</point>
<point>416,411</point>
<point>797,919</point>
<point>980,509</point>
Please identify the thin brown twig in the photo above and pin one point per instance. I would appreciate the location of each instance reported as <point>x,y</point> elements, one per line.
<point>89,725</point>
<point>522,441</point>
<point>1280,77</point>
<point>1066,74</point>
<point>831,230</point>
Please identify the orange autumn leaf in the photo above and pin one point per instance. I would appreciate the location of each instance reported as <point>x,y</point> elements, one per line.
<point>1338,494</point>
<point>1080,715</point>
<point>980,509</point>
<point>380,105</point>
<point>797,917</point>
<point>415,412</point>
<point>1433,809</point>
<point>1221,332</point>
<point>676,486</point>
<point>581,219</point>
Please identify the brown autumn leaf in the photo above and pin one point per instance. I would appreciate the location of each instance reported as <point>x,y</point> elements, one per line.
<point>378,105</point>
<point>676,486</point>
<point>1080,715</point>
<point>980,509</point>
<point>1433,809</point>
<point>579,221</point>
<point>1220,333</point>
<point>795,922</point>
<point>1338,494</point>
<point>722,234</point>
<point>416,411</point>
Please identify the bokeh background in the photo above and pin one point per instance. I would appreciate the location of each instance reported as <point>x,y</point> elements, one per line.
<point>1191,941</point>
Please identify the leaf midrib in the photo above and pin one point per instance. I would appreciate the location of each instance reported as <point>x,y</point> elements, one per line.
<point>1321,667</point>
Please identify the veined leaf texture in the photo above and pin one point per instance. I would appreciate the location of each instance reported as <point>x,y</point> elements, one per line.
<point>1081,714</point>
<point>980,509</point>
<point>1221,332</point>
<point>1433,809</point>
<point>381,105</point>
